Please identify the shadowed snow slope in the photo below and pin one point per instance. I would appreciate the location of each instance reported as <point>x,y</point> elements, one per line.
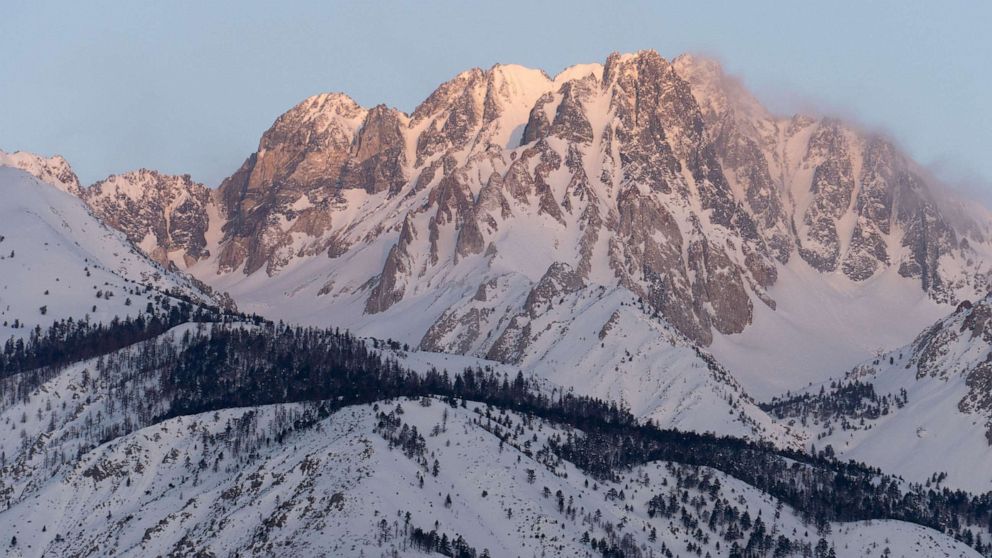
<point>935,393</point>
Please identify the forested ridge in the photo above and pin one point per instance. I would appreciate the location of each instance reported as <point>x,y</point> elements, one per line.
<point>68,340</point>
<point>236,364</point>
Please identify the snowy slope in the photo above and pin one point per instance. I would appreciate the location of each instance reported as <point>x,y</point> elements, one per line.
<point>638,361</point>
<point>593,341</point>
<point>58,261</point>
<point>943,423</point>
<point>603,344</point>
<point>220,483</point>
<point>88,468</point>
<point>823,324</point>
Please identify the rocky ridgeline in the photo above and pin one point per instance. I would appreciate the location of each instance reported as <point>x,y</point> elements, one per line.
<point>666,178</point>
<point>164,215</point>
<point>960,346</point>
<point>53,170</point>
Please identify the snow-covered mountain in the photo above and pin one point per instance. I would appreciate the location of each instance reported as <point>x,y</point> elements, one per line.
<point>656,372</point>
<point>338,488</point>
<point>919,410</point>
<point>640,362</point>
<point>665,182</point>
<point>58,261</point>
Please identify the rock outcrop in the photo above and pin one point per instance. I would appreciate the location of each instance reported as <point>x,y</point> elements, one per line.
<point>166,216</point>
<point>53,170</point>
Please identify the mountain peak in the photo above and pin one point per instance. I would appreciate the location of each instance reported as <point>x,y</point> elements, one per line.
<point>165,215</point>
<point>667,179</point>
<point>718,93</point>
<point>320,115</point>
<point>579,71</point>
<point>333,101</point>
<point>699,62</point>
<point>617,60</point>
<point>53,170</point>
<point>519,73</point>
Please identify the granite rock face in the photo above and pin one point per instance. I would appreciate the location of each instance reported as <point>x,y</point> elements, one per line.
<point>512,344</point>
<point>287,186</point>
<point>165,215</point>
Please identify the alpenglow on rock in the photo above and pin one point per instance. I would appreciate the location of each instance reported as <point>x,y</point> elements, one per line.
<point>665,179</point>
<point>164,215</point>
<point>52,170</point>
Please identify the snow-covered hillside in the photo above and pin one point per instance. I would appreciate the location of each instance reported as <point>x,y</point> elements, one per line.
<point>91,465</point>
<point>272,481</point>
<point>929,411</point>
<point>609,347</point>
<point>58,261</point>
<point>823,324</point>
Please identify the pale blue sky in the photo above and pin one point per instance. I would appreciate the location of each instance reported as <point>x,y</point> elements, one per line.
<point>189,86</point>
